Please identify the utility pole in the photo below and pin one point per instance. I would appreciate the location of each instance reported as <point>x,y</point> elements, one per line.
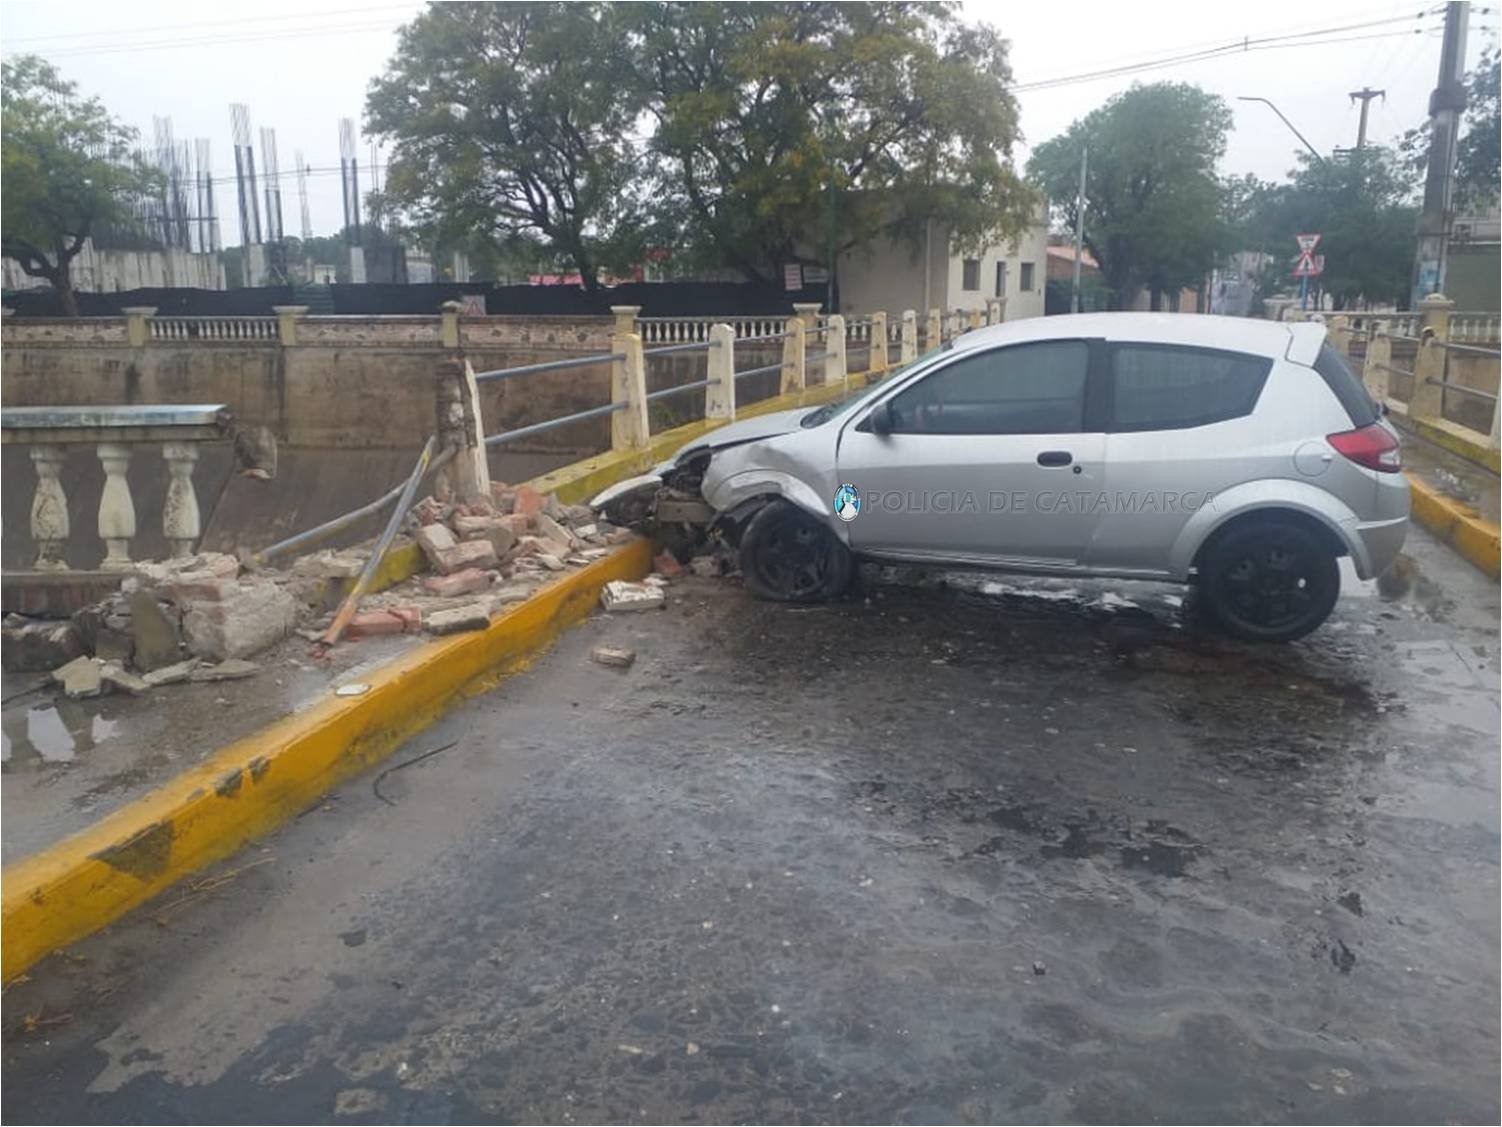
<point>1365,94</point>
<point>1079,231</point>
<point>1445,106</point>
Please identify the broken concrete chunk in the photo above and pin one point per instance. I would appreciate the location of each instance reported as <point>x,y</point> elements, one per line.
<point>621,595</point>
<point>613,655</point>
<point>550,561</point>
<point>434,540</point>
<point>330,564</point>
<point>585,531</point>
<point>527,501</point>
<point>259,615</point>
<point>474,616</point>
<point>655,581</point>
<point>589,555</point>
<point>467,582</point>
<point>619,536</point>
<point>514,593</point>
<point>552,507</point>
<point>468,554</point>
<point>550,529</point>
<point>170,674</point>
<point>232,669</point>
<point>81,677</point>
<point>155,633</point>
<point>469,527</point>
<point>708,566</point>
<point>115,674</point>
<point>36,646</point>
<point>375,624</point>
<point>578,514</point>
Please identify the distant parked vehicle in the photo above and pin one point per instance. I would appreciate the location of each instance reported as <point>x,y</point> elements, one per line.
<point>1241,456</point>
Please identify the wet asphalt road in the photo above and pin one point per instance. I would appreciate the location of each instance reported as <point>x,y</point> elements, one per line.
<point>1020,851</point>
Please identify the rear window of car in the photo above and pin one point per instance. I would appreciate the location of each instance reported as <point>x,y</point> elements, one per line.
<point>1339,378</point>
<point>1169,387</point>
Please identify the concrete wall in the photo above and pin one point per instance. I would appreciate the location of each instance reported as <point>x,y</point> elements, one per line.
<point>103,271</point>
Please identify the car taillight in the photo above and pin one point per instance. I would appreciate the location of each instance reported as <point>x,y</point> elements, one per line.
<point>1370,446</point>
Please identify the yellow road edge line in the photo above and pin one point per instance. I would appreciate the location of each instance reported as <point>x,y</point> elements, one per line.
<point>71,889</point>
<point>1458,525</point>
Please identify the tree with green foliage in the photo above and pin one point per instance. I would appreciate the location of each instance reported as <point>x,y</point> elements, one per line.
<point>69,169</point>
<point>783,128</point>
<point>1153,199</point>
<point>1478,163</point>
<point>514,120</point>
<point>1361,206</point>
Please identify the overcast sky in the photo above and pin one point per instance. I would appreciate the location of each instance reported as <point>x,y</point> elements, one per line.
<point>300,66</point>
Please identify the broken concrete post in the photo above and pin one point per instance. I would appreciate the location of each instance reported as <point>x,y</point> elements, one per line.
<point>877,360</point>
<point>460,427</point>
<point>246,622</point>
<point>933,335</point>
<point>49,509</point>
<point>117,512</point>
<point>629,428</point>
<point>180,518</point>
<point>909,351</point>
<point>719,394</point>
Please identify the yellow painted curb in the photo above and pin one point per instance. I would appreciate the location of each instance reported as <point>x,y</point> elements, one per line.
<point>1458,525</point>
<point>84,882</point>
<point>1452,436</point>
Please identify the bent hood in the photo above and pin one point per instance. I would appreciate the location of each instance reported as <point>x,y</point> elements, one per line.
<point>747,430</point>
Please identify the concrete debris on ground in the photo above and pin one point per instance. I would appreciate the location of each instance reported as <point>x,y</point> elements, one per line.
<point>473,616</point>
<point>613,655</point>
<point>620,595</point>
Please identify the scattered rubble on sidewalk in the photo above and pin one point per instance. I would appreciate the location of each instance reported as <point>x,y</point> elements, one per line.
<point>198,618</point>
<point>620,595</point>
<point>613,655</point>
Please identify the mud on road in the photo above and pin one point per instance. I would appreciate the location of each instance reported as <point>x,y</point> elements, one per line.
<point>970,850</point>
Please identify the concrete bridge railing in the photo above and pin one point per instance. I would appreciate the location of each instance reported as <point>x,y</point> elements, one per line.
<point>116,433</point>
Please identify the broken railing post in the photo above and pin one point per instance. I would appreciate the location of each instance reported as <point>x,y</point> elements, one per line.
<point>876,359</point>
<point>934,334</point>
<point>630,428</point>
<point>719,393</point>
<point>909,351</point>
<point>181,523</point>
<point>461,428</point>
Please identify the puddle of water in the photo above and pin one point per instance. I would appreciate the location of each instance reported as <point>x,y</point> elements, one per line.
<point>49,734</point>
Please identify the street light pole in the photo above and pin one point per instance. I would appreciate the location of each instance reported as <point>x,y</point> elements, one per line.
<point>1315,153</point>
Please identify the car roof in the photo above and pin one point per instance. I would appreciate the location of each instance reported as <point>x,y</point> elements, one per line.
<point>1297,340</point>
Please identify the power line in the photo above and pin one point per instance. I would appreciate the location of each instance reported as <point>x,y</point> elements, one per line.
<point>1241,46</point>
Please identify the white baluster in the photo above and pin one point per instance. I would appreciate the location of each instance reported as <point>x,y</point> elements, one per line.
<point>117,512</point>
<point>180,521</point>
<point>49,509</point>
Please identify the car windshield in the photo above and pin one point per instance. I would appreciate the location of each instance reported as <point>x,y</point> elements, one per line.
<point>823,414</point>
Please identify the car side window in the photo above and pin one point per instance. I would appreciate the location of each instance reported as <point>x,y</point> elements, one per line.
<point>1168,387</point>
<point>1036,388</point>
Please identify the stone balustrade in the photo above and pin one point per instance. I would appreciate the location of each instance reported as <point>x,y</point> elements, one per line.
<point>115,433</point>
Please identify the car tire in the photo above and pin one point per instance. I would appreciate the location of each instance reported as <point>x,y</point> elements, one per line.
<point>1270,580</point>
<point>788,556</point>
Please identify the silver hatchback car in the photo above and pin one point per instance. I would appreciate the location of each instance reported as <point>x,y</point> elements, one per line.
<point>1241,456</point>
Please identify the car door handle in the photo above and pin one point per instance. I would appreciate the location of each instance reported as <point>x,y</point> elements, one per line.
<point>1055,458</point>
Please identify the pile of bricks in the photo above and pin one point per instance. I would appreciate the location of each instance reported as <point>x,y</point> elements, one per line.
<point>483,555</point>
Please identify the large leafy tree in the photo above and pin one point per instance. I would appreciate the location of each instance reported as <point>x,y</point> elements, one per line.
<point>1153,201</point>
<point>783,128</point>
<point>1360,204</point>
<point>514,121</point>
<point>1478,158</point>
<point>69,171</point>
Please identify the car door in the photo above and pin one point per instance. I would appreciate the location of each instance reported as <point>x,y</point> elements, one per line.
<point>1180,429</point>
<point>987,459</point>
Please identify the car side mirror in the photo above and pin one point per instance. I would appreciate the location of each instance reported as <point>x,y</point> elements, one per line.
<point>881,417</point>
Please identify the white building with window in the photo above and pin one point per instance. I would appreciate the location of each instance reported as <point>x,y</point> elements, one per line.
<point>893,276</point>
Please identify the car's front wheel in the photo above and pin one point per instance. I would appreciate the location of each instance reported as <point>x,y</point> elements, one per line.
<point>788,556</point>
<point>1268,580</point>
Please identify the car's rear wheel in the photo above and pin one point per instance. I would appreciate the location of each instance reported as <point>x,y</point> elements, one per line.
<point>1270,580</point>
<point>788,556</point>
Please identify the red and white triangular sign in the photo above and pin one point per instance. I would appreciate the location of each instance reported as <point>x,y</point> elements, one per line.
<point>1307,243</point>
